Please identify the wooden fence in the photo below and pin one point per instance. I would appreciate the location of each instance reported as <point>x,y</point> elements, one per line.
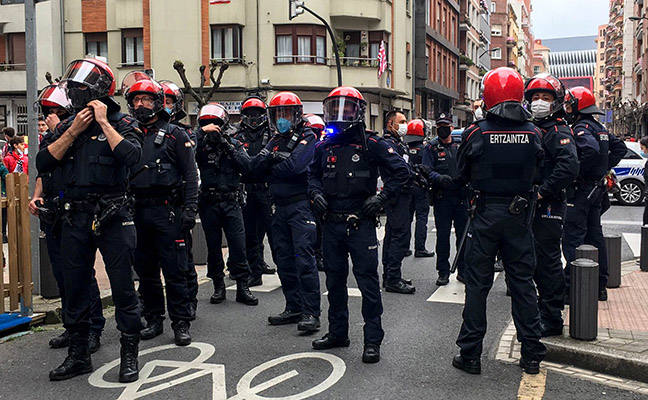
<point>20,285</point>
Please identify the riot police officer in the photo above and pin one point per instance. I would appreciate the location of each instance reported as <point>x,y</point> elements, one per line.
<point>222,161</point>
<point>598,152</point>
<point>546,95</point>
<point>95,150</point>
<point>343,191</point>
<point>165,186</point>
<point>398,229</point>
<point>46,203</point>
<point>174,106</point>
<point>286,159</point>
<point>449,198</point>
<point>420,205</point>
<point>254,134</point>
<point>499,156</point>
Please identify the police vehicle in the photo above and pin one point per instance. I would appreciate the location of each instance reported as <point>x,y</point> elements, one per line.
<point>630,174</point>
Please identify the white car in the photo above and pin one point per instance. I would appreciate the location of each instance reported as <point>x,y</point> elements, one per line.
<point>630,174</point>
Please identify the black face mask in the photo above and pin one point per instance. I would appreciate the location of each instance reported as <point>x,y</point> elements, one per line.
<point>443,132</point>
<point>79,97</point>
<point>143,114</point>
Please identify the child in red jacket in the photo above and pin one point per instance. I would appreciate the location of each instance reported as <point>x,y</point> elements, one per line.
<point>16,159</point>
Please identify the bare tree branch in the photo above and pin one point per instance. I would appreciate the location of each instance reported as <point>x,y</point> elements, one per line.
<point>48,78</point>
<point>179,67</point>
<point>202,82</point>
<point>216,83</point>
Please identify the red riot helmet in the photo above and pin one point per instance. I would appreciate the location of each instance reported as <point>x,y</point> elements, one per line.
<point>546,83</point>
<point>86,80</point>
<point>416,131</point>
<point>502,85</point>
<point>138,83</point>
<point>172,91</point>
<point>254,113</point>
<point>213,113</point>
<point>344,108</point>
<point>51,97</point>
<point>285,112</point>
<point>582,101</point>
<point>316,123</point>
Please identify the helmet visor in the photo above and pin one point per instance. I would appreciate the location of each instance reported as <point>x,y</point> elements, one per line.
<point>285,118</point>
<point>213,112</point>
<point>254,116</point>
<point>132,78</point>
<point>53,96</point>
<point>341,109</point>
<point>83,72</point>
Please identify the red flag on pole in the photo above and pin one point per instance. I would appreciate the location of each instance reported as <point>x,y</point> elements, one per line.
<point>219,1</point>
<point>382,59</point>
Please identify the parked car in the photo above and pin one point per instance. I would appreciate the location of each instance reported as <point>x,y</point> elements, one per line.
<point>630,174</point>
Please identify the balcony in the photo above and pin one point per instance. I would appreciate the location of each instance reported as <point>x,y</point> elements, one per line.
<point>12,78</point>
<point>364,10</point>
<point>637,66</point>
<point>639,29</point>
<point>464,26</point>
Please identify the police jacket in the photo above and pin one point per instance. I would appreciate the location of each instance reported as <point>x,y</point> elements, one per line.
<point>345,171</point>
<point>253,140</point>
<point>189,130</point>
<point>560,166</point>
<point>53,185</point>
<point>415,153</point>
<point>598,150</point>
<point>167,164</point>
<point>220,170</point>
<point>90,166</point>
<point>288,179</point>
<point>441,159</point>
<point>397,146</point>
<point>499,156</point>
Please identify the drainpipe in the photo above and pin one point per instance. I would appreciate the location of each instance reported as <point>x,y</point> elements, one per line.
<point>62,22</point>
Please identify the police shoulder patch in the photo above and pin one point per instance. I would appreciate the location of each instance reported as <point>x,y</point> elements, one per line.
<point>304,142</point>
<point>390,150</point>
<point>581,133</point>
<point>565,141</point>
<point>188,144</point>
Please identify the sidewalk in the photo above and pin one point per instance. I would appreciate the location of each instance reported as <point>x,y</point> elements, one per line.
<point>619,355</point>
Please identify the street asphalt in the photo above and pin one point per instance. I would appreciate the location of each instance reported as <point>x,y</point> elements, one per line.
<point>236,355</point>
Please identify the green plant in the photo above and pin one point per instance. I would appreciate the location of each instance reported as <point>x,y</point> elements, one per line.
<point>466,60</point>
<point>341,45</point>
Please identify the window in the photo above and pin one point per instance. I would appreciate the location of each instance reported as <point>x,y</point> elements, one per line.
<point>300,44</point>
<point>132,47</point>
<point>602,44</point>
<point>496,30</point>
<point>226,43</point>
<point>631,155</point>
<point>408,58</point>
<point>16,52</point>
<point>374,46</point>
<point>96,44</point>
<point>428,64</point>
<point>5,2</point>
<point>536,70</point>
<point>601,69</point>
<point>428,12</point>
<point>493,6</point>
<point>437,11</point>
<point>496,54</point>
<point>438,67</point>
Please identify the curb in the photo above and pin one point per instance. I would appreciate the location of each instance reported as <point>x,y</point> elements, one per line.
<point>607,361</point>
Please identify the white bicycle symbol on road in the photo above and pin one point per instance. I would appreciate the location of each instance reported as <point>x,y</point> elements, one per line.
<point>244,388</point>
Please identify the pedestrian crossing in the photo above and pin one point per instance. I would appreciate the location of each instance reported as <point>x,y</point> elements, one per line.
<point>454,292</point>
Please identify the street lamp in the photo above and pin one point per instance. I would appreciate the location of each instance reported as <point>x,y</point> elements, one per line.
<point>296,8</point>
<point>488,51</point>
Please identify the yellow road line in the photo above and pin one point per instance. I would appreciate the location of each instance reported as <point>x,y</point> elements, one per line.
<point>532,387</point>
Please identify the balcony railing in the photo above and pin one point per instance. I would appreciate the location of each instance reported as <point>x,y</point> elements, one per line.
<point>297,59</point>
<point>13,67</point>
<point>359,62</point>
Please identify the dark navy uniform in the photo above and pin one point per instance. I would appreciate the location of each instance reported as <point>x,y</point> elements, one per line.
<point>53,197</point>
<point>449,202</point>
<point>221,199</point>
<point>598,152</point>
<point>499,157</point>
<point>293,224</point>
<point>98,214</point>
<point>165,182</point>
<point>257,212</point>
<point>559,170</point>
<point>398,229</point>
<point>420,205</point>
<point>345,173</point>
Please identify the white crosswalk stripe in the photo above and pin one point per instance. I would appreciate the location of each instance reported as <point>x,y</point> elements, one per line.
<point>454,292</point>
<point>270,283</point>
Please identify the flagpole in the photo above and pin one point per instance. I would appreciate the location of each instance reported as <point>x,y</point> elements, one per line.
<point>335,46</point>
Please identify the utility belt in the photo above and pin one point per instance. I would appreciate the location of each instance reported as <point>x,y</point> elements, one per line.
<point>211,195</point>
<point>50,212</point>
<point>352,220</point>
<point>168,199</point>
<point>284,201</point>
<point>104,209</point>
<point>516,203</point>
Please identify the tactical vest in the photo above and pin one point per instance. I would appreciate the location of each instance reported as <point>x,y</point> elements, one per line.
<point>253,146</point>
<point>53,182</point>
<point>217,169</point>
<point>446,158</point>
<point>602,136</point>
<point>506,158</point>
<point>349,172</point>
<point>414,154</point>
<point>158,164</point>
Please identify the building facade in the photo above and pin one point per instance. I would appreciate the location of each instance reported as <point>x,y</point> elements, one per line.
<point>437,56</point>
<point>266,52</point>
<point>599,70</point>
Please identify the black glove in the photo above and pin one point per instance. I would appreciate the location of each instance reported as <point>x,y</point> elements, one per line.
<point>226,144</point>
<point>445,181</point>
<point>373,204</point>
<point>279,156</point>
<point>188,219</point>
<point>320,205</point>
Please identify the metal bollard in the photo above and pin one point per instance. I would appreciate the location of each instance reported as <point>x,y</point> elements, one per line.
<point>583,309</point>
<point>587,251</point>
<point>613,245</point>
<point>643,259</point>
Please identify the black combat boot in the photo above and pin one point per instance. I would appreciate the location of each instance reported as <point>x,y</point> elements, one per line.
<point>470,366</point>
<point>286,317</point>
<point>77,362</point>
<point>255,281</point>
<point>330,342</point>
<point>219,291</point>
<point>371,353</point>
<point>94,341</point>
<point>154,328</point>
<point>181,334</point>
<point>128,368</point>
<point>60,341</point>
<point>243,294</point>
<point>308,323</point>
